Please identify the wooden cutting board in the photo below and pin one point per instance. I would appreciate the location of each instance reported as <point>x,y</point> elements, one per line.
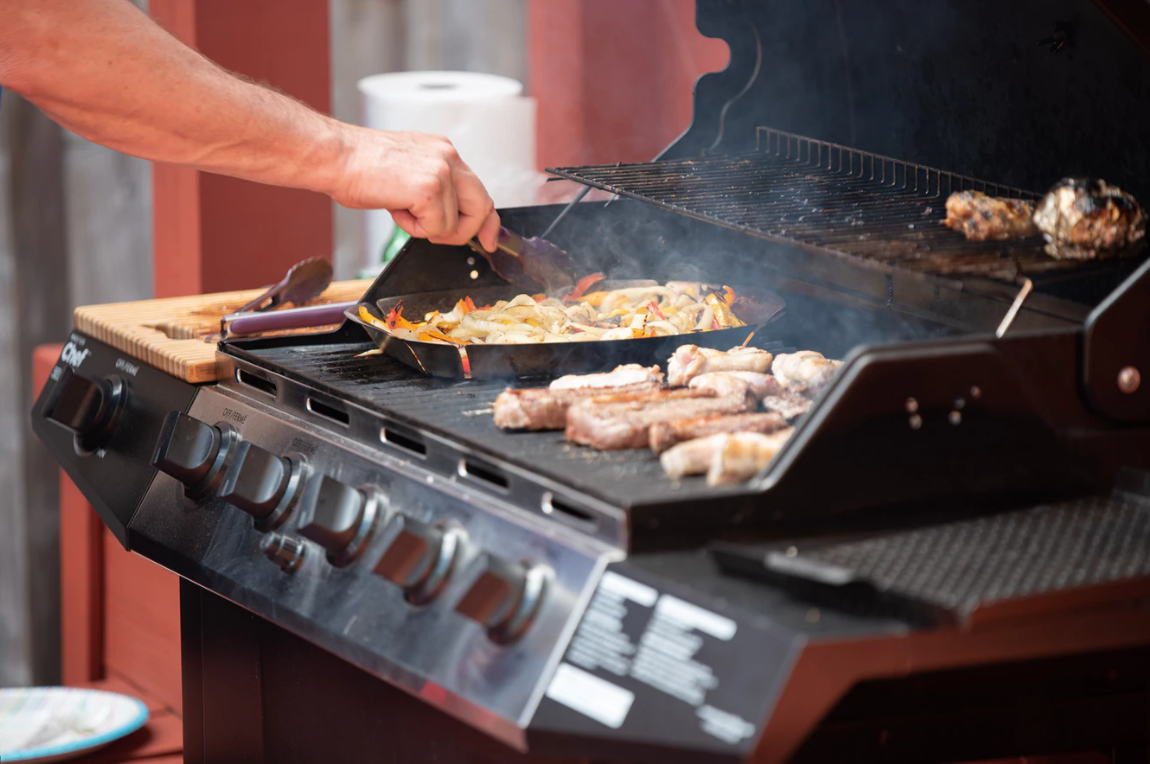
<point>167,333</point>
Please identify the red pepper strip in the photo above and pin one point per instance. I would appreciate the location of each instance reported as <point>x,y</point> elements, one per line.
<point>467,302</point>
<point>654,308</point>
<point>715,324</point>
<point>394,314</point>
<point>583,285</point>
<point>466,363</point>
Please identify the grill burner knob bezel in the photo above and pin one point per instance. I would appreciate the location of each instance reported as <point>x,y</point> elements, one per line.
<point>90,408</point>
<point>267,513</point>
<point>205,476</point>
<point>354,508</point>
<point>420,558</point>
<point>505,597</point>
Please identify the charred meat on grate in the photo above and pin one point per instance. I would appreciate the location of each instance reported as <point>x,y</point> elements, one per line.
<point>1086,219</point>
<point>546,409</point>
<point>984,218</point>
<point>664,435</point>
<point>608,423</point>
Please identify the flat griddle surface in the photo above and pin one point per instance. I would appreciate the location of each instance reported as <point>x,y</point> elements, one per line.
<point>462,409</point>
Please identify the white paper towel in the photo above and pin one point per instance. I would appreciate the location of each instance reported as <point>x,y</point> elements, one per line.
<point>487,117</point>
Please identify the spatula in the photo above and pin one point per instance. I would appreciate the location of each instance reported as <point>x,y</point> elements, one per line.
<point>529,263</point>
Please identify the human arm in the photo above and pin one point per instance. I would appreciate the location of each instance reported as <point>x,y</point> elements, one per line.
<point>104,70</point>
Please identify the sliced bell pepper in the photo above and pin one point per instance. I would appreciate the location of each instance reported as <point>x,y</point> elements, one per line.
<point>583,285</point>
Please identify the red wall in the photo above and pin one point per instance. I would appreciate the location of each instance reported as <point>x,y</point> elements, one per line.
<point>214,233</point>
<point>614,79</point>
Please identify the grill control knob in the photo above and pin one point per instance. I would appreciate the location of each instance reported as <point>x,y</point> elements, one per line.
<point>337,517</point>
<point>419,559</point>
<point>259,482</point>
<point>87,407</point>
<point>504,597</point>
<point>192,452</point>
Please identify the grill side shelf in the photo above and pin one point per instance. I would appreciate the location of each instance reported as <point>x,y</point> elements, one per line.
<point>970,571</point>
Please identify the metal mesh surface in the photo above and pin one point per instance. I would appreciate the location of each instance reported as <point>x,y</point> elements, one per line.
<point>961,566</point>
<point>831,199</point>
<point>462,409</point>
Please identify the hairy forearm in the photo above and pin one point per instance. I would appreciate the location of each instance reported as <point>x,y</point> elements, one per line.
<point>102,69</point>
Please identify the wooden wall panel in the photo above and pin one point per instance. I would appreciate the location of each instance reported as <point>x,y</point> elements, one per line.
<point>214,233</point>
<point>81,587</point>
<point>142,623</point>
<point>614,80</point>
<point>81,564</point>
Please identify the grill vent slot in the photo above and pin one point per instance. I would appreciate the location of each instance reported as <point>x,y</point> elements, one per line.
<point>259,383</point>
<point>557,507</point>
<point>400,440</point>
<point>468,468</point>
<point>327,411</point>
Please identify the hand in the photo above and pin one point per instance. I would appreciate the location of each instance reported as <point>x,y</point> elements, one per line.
<point>420,179</point>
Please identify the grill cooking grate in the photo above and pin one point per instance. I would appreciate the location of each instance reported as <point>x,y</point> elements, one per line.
<point>830,199</point>
<point>461,409</point>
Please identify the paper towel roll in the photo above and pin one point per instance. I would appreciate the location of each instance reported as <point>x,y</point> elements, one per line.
<point>487,117</point>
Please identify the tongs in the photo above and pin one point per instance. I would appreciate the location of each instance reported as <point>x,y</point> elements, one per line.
<point>529,263</point>
<point>305,281</point>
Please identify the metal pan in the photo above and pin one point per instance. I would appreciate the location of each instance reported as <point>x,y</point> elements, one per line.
<point>546,359</point>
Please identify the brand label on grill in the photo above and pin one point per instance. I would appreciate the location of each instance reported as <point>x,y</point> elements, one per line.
<point>72,354</point>
<point>641,654</point>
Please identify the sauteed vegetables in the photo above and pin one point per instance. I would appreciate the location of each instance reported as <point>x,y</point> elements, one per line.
<point>645,311</point>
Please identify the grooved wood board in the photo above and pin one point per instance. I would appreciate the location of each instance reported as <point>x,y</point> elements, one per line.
<point>167,333</point>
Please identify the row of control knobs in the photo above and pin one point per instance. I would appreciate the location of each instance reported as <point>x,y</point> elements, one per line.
<point>340,518</point>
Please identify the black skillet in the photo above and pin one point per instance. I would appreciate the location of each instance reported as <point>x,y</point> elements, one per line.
<point>551,358</point>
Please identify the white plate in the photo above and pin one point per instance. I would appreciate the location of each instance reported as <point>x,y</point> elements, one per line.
<point>42,724</point>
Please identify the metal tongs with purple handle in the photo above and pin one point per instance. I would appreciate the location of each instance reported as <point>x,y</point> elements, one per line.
<point>530,263</point>
<point>304,282</point>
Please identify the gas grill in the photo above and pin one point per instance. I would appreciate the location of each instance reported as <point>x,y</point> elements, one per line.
<point>949,560</point>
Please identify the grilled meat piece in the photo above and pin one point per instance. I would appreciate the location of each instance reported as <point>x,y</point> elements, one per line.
<point>761,385</point>
<point>620,376</point>
<point>789,403</point>
<point>546,409</point>
<point>742,456</point>
<point>1087,219</point>
<point>611,422</point>
<point>982,218</point>
<point>726,457</point>
<point>664,435</point>
<point>690,361</point>
<point>799,370</point>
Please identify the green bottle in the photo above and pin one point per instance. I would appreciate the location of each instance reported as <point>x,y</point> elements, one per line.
<point>398,239</point>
